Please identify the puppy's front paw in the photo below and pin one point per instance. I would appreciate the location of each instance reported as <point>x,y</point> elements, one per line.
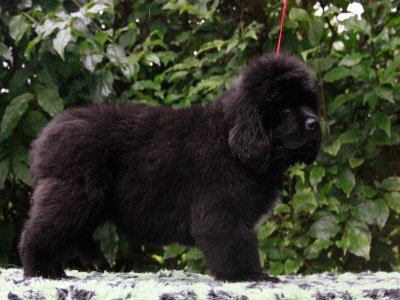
<point>264,277</point>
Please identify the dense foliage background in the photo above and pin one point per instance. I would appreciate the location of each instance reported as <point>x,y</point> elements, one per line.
<point>342,213</point>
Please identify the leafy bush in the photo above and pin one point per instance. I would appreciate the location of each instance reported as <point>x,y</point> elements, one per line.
<point>342,213</point>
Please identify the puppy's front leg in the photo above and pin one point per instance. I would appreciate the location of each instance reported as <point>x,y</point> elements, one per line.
<point>232,254</point>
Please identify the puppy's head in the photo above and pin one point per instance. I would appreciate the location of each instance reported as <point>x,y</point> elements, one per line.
<point>276,113</point>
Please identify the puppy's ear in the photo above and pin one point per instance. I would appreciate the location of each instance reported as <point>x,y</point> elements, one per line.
<point>250,142</point>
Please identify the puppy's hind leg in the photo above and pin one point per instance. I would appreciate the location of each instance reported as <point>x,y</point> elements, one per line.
<point>60,212</point>
<point>87,249</point>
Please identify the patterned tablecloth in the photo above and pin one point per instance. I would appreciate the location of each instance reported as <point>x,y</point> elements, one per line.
<point>177,285</point>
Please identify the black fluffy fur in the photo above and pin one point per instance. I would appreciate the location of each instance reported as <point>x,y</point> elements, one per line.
<point>202,175</point>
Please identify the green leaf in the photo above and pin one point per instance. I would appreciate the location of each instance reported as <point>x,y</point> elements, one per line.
<point>343,243</point>
<point>61,41</point>
<point>22,154</point>
<point>47,28</point>
<point>274,253</point>
<point>297,171</point>
<point>178,75</point>
<point>4,169</point>
<point>379,138</point>
<point>6,53</point>
<point>316,175</point>
<point>371,98</point>
<point>102,37</point>
<point>13,114</point>
<point>359,239</point>
<point>304,54</point>
<point>33,123</point>
<point>355,162</point>
<point>211,45</point>
<point>350,60</point>
<point>173,250</point>
<point>167,56</point>
<point>21,171</point>
<point>332,148</point>
<point>48,78</point>
<point>332,170</point>
<point>267,229</point>
<point>332,10</point>
<point>21,77</point>
<point>391,69</point>
<point>315,33</point>
<point>31,45</point>
<point>90,61</point>
<point>194,254</point>
<point>50,101</point>
<point>116,54</point>
<point>351,136</point>
<point>188,63</point>
<point>153,58</point>
<point>365,212</point>
<point>358,26</point>
<point>382,121</point>
<point>172,98</point>
<point>304,201</point>
<point>182,38</point>
<point>338,102</point>
<point>108,237</point>
<point>327,63</point>
<point>290,253</point>
<point>251,31</point>
<point>313,250</point>
<point>292,266</point>
<point>385,93</point>
<point>391,184</point>
<point>290,24</point>
<point>369,191</point>
<point>298,14</point>
<point>17,27</point>
<point>96,8</point>
<point>333,204</point>
<point>128,38</point>
<point>382,213</point>
<point>206,85</point>
<point>336,74</point>
<point>325,228</point>
<point>281,208</point>
<point>232,43</point>
<point>301,241</point>
<point>250,34</point>
<point>103,84</point>
<point>276,268</point>
<point>146,85</point>
<point>393,199</point>
<point>346,181</point>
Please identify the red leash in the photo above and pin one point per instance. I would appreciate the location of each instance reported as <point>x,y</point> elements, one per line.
<point>283,20</point>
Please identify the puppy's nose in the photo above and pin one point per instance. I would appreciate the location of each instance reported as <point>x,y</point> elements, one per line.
<point>311,124</point>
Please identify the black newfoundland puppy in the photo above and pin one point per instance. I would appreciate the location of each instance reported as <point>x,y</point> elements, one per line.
<point>202,175</point>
